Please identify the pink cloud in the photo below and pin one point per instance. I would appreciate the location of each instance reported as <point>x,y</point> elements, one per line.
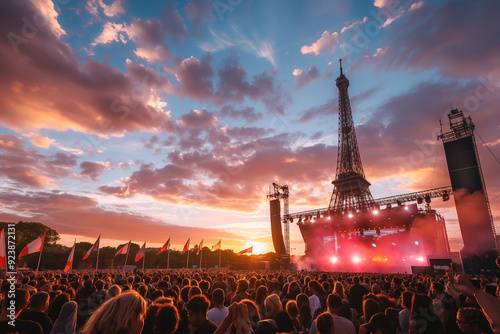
<point>56,92</point>
<point>38,140</point>
<point>326,43</point>
<point>354,24</point>
<point>195,77</point>
<point>248,114</point>
<point>92,170</point>
<point>112,10</point>
<point>233,86</point>
<point>26,167</point>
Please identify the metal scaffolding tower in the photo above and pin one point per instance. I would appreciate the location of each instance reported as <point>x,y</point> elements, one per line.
<point>281,192</point>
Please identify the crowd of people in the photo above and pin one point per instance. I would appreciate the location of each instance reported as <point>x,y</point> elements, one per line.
<point>244,302</point>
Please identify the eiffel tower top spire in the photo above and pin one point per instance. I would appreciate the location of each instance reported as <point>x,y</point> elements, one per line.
<point>351,190</point>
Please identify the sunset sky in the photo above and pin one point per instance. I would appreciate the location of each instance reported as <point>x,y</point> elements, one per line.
<point>146,120</point>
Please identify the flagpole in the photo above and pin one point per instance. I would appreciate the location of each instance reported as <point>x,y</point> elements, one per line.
<point>144,257</point>
<point>97,260</point>
<point>40,256</point>
<point>168,258</point>
<point>74,246</point>
<point>126,256</point>
<point>187,262</point>
<point>201,253</point>
<point>220,252</point>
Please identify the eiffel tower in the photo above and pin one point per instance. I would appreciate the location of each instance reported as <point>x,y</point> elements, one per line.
<point>351,191</point>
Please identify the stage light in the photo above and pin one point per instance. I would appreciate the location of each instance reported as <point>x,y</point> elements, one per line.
<point>403,260</point>
<point>421,259</point>
<point>375,212</point>
<point>329,217</point>
<point>406,207</point>
<point>416,243</point>
<point>350,215</point>
<point>356,259</point>
<point>394,244</point>
<point>334,259</point>
<point>374,245</point>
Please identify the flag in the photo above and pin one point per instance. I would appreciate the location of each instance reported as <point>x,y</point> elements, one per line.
<point>165,247</point>
<point>141,253</point>
<point>70,260</point>
<point>216,246</point>
<point>186,246</point>
<point>3,256</point>
<point>93,248</point>
<point>123,250</point>
<point>200,246</point>
<point>33,247</point>
<point>248,250</point>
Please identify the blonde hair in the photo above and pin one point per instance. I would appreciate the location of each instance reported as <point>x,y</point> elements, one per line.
<point>116,314</point>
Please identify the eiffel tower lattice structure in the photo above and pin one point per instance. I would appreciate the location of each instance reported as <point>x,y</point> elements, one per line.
<point>351,192</point>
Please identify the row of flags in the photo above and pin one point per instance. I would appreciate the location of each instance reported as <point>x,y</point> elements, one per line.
<point>37,245</point>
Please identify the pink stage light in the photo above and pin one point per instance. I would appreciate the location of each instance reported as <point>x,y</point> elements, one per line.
<point>356,259</point>
<point>421,259</point>
<point>334,259</point>
<point>375,212</point>
<point>350,215</point>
